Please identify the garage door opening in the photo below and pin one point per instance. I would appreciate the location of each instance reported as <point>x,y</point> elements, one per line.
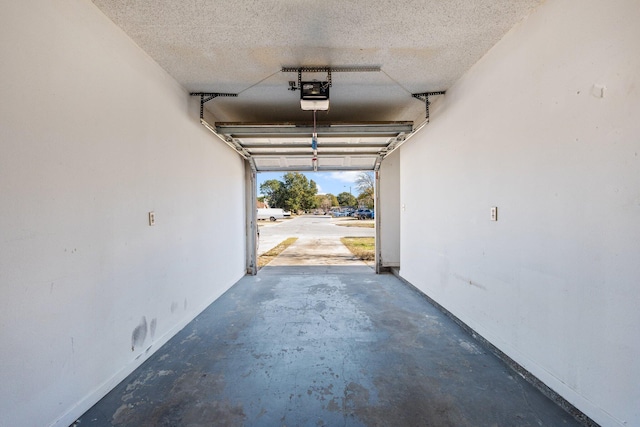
<point>315,150</point>
<point>316,218</point>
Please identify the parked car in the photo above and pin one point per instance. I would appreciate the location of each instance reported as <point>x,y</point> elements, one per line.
<point>364,214</point>
<point>271,214</point>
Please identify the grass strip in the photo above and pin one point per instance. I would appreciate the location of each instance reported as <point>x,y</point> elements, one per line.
<point>268,256</point>
<point>356,224</point>
<point>362,247</point>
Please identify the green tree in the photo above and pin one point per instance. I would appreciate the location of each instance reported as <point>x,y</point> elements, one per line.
<point>334,200</point>
<point>310,196</point>
<point>294,192</point>
<point>273,192</point>
<point>321,201</point>
<point>366,199</point>
<point>346,199</point>
<point>299,192</point>
<point>326,201</point>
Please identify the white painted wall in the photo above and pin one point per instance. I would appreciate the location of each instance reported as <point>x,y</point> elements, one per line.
<point>93,136</point>
<point>555,282</point>
<point>388,210</point>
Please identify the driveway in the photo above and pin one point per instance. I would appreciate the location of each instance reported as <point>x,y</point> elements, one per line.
<point>318,240</point>
<point>322,228</point>
<point>327,250</point>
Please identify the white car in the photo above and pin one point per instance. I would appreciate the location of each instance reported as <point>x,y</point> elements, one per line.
<point>271,214</point>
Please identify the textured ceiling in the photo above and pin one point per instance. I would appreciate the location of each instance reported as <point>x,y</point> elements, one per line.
<point>240,47</point>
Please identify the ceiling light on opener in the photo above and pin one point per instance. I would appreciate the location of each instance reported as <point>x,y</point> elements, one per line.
<point>314,96</point>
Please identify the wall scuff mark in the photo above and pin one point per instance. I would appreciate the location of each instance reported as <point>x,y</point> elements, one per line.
<point>139,334</point>
<point>152,327</point>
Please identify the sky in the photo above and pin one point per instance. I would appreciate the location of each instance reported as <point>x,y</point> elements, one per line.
<point>328,182</point>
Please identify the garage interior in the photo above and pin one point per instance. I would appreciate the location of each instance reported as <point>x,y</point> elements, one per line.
<point>503,135</point>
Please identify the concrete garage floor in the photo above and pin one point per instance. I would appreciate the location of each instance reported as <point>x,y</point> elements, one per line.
<point>323,346</point>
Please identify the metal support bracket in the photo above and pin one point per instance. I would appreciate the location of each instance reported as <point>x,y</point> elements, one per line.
<point>328,70</point>
<point>324,69</point>
<point>208,96</point>
<point>424,97</point>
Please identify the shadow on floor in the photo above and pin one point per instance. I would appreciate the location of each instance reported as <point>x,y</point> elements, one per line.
<point>323,346</point>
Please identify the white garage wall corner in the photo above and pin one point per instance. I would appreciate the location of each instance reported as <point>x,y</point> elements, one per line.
<point>93,136</point>
<point>544,127</point>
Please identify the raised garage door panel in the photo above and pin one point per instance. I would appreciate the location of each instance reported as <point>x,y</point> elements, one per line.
<point>288,147</point>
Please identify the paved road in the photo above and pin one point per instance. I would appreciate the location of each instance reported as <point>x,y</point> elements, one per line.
<point>319,227</point>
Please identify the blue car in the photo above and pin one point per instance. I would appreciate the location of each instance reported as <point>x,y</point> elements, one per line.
<point>364,214</point>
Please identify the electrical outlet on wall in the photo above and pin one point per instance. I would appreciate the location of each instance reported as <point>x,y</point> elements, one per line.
<point>494,213</point>
<point>152,218</point>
